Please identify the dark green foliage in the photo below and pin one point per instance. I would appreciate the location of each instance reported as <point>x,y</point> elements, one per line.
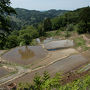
<point>70,27</point>
<point>41,30</point>
<point>37,82</point>
<point>67,18</point>
<point>19,38</point>
<point>81,28</point>
<point>2,40</point>
<point>85,20</point>
<point>58,22</point>
<point>5,10</point>
<point>12,41</point>
<point>47,25</point>
<point>54,84</point>
<point>45,76</point>
<point>32,17</point>
<point>79,16</point>
<point>27,35</point>
<point>45,82</point>
<point>85,14</point>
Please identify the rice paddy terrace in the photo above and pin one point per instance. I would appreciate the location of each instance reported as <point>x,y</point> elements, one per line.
<point>54,56</point>
<point>3,72</point>
<point>25,55</point>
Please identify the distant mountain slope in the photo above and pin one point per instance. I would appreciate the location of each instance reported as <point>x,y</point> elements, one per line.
<point>30,17</point>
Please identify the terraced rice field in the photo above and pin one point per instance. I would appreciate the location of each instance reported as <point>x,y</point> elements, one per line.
<point>65,65</point>
<point>3,72</point>
<point>25,55</point>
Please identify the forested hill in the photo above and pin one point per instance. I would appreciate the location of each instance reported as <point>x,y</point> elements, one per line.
<point>29,17</point>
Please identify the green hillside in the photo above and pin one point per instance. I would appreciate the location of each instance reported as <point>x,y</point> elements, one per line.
<point>32,17</point>
<point>36,24</point>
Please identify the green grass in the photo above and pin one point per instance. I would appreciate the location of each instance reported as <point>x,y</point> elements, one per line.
<point>1,65</point>
<point>80,42</point>
<point>59,33</point>
<point>33,43</point>
<point>51,34</point>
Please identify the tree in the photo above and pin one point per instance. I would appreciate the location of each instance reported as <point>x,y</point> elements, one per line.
<point>85,18</point>
<point>27,35</point>
<point>2,41</point>
<point>37,82</point>
<point>5,10</point>
<point>45,76</point>
<point>47,24</point>
<point>41,30</point>
<point>12,41</point>
<point>81,27</point>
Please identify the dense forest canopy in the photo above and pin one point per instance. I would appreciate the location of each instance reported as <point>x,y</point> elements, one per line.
<point>32,17</point>
<point>5,11</point>
<point>73,17</point>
